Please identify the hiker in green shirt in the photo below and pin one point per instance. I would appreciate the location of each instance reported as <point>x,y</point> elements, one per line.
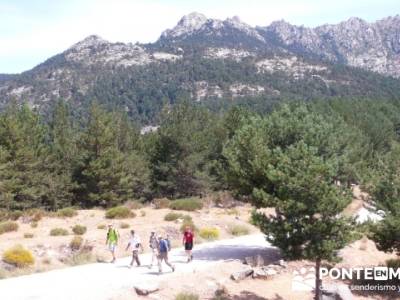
<point>112,240</point>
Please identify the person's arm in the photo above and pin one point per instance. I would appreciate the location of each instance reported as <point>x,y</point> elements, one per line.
<point>107,238</point>
<point>127,247</point>
<point>184,239</point>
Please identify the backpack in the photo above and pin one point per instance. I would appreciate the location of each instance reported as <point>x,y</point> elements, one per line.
<point>163,246</point>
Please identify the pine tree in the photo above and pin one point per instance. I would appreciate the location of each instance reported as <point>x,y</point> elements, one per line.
<point>290,161</point>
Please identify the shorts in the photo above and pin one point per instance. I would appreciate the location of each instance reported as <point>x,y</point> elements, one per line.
<point>188,246</point>
<point>112,247</point>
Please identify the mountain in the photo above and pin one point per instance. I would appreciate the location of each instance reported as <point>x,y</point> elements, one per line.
<point>218,63</point>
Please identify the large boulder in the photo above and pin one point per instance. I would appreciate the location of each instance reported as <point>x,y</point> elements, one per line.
<point>264,273</point>
<point>240,275</point>
<point>254,261</point>
<point>144,289</point>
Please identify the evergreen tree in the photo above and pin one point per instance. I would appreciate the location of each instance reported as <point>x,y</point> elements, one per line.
<point>290,161</point>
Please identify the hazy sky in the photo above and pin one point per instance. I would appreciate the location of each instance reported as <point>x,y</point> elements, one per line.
<point>33,30</point>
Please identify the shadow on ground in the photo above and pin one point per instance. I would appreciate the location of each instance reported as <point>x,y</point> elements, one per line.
<point>226,252</point>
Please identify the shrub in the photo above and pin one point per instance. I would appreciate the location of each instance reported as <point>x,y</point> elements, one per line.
<point>79,229</point>
<point>101,226</point>
<point>209,233</point>
<point>19,257</point>
<point>15,215</point>
<point>142,213</point>
<point>76,243</point>
<point>393,263</point>
<point>187,204</point>
<point>67,212</point>
<point>237,229</point>
<point>34,224</point>
<point>81,257</point>
<point>172,216</point>
<point>161,203</point>
<point>35,214</point>
<point>124,225</point>
<point>58,232</point>
<point>133,204</point>
<point>188,223</point>
<point>232,211</point>
<point>186,296</point>
<point>119,212</point>
<point>8,226</point>
<point>28,235</point>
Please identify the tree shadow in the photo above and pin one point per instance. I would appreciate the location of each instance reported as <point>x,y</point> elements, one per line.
<point>247,295</point>
<point>233,252</point>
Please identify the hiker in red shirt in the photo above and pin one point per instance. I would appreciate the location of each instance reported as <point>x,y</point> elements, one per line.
<point>188,240</point>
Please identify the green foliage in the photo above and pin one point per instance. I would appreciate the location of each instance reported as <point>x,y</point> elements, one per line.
<point>79,229</point>
<point>209,233</point>
<point>186,296</point>
<point>387,196</point>
<point>237,229</point>
<point>19,257</point>
<point>119,212</point>
<point>76,243</point>
<point>290,161</point>
<point>58,232</point>
<point>172,216</point>
<point>101,226</point>
<point>8,226</point>
<point>67,212</point>
<point>187,204</point>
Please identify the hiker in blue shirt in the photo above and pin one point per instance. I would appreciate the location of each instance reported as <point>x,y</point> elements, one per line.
<point>163,249</point>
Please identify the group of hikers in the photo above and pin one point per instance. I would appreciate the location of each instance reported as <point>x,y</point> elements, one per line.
<point>159,244</point>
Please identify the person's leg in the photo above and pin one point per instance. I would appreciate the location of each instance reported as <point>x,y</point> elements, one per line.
<point>168,263</point>
<point>159,259</point>
<point>137,258</point>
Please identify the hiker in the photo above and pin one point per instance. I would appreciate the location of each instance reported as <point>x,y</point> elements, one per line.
<point>187,241</point>
<point>153,244</point>
<point>136,244</point>
<point>112,240</point>
<point>163,250</point>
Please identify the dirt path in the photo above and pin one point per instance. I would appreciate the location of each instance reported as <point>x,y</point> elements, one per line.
<point>104,280</point>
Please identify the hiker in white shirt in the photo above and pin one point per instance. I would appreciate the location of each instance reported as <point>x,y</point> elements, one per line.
<point>153,244</point>
<point>136,244</point>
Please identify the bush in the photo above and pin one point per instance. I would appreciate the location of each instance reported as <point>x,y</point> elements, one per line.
<point>28,235</point>
<point>172,216</point>
<point>209,233</point>
<point>8,227</point>
<point>34,224</point>
<point>393,263</point>
<point>58,232</point>
<point>142,213</point>
<point>186,296</point>
<point>237,229</point>
<point>79,229</point>
<point>76,243</point>
<point>124,225</point>
<point>232,211</point>
<point>67,212</point>
<point>187,204</point>
<point>133,204</point>
<point>19,257</point>
<point>81,257</point>
<point>161,203</point>
<point>119,212</point>
<point>101,226</point>
<point>15,215</point>
<point>188,223</point>
<point>35,214</point>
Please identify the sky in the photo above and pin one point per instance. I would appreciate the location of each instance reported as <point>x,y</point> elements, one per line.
<point>32,31</point>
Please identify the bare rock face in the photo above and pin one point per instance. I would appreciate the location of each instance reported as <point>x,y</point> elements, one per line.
<point>355,42</point>
<point>254,261</point>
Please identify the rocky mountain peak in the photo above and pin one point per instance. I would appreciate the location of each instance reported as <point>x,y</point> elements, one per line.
<point>188,24</point>
<point>89,42</point>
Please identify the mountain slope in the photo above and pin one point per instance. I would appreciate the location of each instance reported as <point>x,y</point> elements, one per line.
<point>216,63</point>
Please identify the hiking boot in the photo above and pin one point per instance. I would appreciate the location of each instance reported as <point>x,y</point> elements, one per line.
<point>173,269</point>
